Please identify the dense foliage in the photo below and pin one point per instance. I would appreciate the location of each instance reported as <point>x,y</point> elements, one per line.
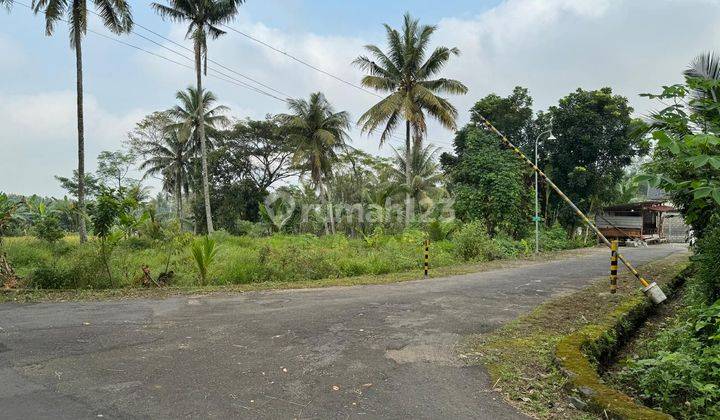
<point>488,183</point>
<point>679,370</point>
<point>249,259</point>
<point>591,147</point>
<point>686,161</point>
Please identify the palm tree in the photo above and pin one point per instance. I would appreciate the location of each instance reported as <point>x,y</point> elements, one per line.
<point>170,158</point>
<point>204,17</point>
<point>116,16</point>
<point>197,117</point>
<point>188,118</point>
<point>425,169</point>
<point>705,66</point>
<point>409,78</point>
<point>318,133</point>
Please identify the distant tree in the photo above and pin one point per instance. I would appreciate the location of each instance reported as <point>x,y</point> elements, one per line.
<point>512,115</point>
<point>592,146</point>
<point>266,143</point>
<point>170,158</point>
<point>488,183</point>
<point>148,132</point>
<point>114,167</point>
<point>115,15</point>
<point>203,18</point>
<point>318,133</point>
<point>426,172</point>
<point>233,194</point>
<point>71,185</point>
<point>187,117</point>
<point>409,75</point>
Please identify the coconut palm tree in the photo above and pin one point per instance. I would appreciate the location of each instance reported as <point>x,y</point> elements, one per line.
<point>170,158</point>
<point>425,169</point>
<point>197,117</point>
<point>188,118</point>
<point>318,133</point>
<point>116,16</point>
<point>204,18</point>
<point>409,75</point>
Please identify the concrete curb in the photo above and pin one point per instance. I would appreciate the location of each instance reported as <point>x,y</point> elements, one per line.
<point>580,355</point>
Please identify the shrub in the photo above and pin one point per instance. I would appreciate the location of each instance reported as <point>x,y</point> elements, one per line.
<point>51,276</point>
<point>472,243</point>
<point>440,230</point>
<point>243,227</point>
<point>204,251</point>
<point>510,248</point>
<point>683,374</point>
<point>48,229</point>
<point>707,257</point>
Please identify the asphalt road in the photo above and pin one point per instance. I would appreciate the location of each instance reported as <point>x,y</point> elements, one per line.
<point>361,352</point>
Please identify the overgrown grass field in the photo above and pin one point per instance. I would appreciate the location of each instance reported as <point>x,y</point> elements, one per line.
<point>67,264</point>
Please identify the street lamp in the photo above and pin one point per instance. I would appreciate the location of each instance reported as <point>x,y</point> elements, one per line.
<point>537,209</point>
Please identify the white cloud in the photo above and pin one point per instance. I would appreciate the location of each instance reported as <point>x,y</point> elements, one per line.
<point>40,138</point>
<point>10,49</point>
<point>550,46</point>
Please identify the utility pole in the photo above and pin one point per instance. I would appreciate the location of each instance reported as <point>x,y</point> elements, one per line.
<point>537,192</point>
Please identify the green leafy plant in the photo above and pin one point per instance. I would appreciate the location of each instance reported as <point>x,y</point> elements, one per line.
<point>203,252</point>
<point>686,161</point>
<point>107,211</point>
<point>473,243</point>
<point>8,212</point>
<point>46,225</point>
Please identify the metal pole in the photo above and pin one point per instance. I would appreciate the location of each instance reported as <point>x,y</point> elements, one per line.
<point>537,194</point>
<point>537,220</point>
<point>577,211</point>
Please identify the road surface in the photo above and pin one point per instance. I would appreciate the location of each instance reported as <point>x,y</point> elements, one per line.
<point>345,352</point>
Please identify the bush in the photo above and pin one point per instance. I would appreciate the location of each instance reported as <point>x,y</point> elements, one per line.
<point>472,243</point>
<point>682,377</point>
<point>48,229</point>
<point>510,248</point>
<point>681,371</point>
<point>51,276</point>
<point>244,227</point>
<point>707,257</point>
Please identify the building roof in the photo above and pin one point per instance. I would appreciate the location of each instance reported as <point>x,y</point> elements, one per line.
<point>654,205</point>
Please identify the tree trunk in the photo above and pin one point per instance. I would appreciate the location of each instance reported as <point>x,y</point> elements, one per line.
<point>201,132</point>
<point>409,204</point>
<point>322,203</point>
<point>331,211</point>
<point>178,193</point>
<point>81,139</point>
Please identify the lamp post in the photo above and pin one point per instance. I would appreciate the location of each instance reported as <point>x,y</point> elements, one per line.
<point>537,209</point>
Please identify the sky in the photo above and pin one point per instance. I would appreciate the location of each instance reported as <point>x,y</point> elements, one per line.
<point>552,47</point>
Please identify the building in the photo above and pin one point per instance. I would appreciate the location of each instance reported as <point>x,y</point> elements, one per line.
<point>642,221</point>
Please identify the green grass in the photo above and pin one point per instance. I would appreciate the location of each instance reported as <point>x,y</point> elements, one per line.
<point>520,355</point>
<point>243,263</point>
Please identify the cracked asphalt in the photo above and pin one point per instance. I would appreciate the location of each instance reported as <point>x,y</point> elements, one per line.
<point>344,352</point>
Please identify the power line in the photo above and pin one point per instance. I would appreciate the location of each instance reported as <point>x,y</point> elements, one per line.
<point>222,76</point>
<point>303,62</point>
<point>247,77</point>
<point>313,67</point>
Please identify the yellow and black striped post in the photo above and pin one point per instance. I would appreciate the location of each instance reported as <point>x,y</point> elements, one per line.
<point>427,257</point>
<point>613,266</point>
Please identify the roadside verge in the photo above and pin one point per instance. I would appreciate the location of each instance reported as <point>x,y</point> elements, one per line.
<point>522,357</point>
